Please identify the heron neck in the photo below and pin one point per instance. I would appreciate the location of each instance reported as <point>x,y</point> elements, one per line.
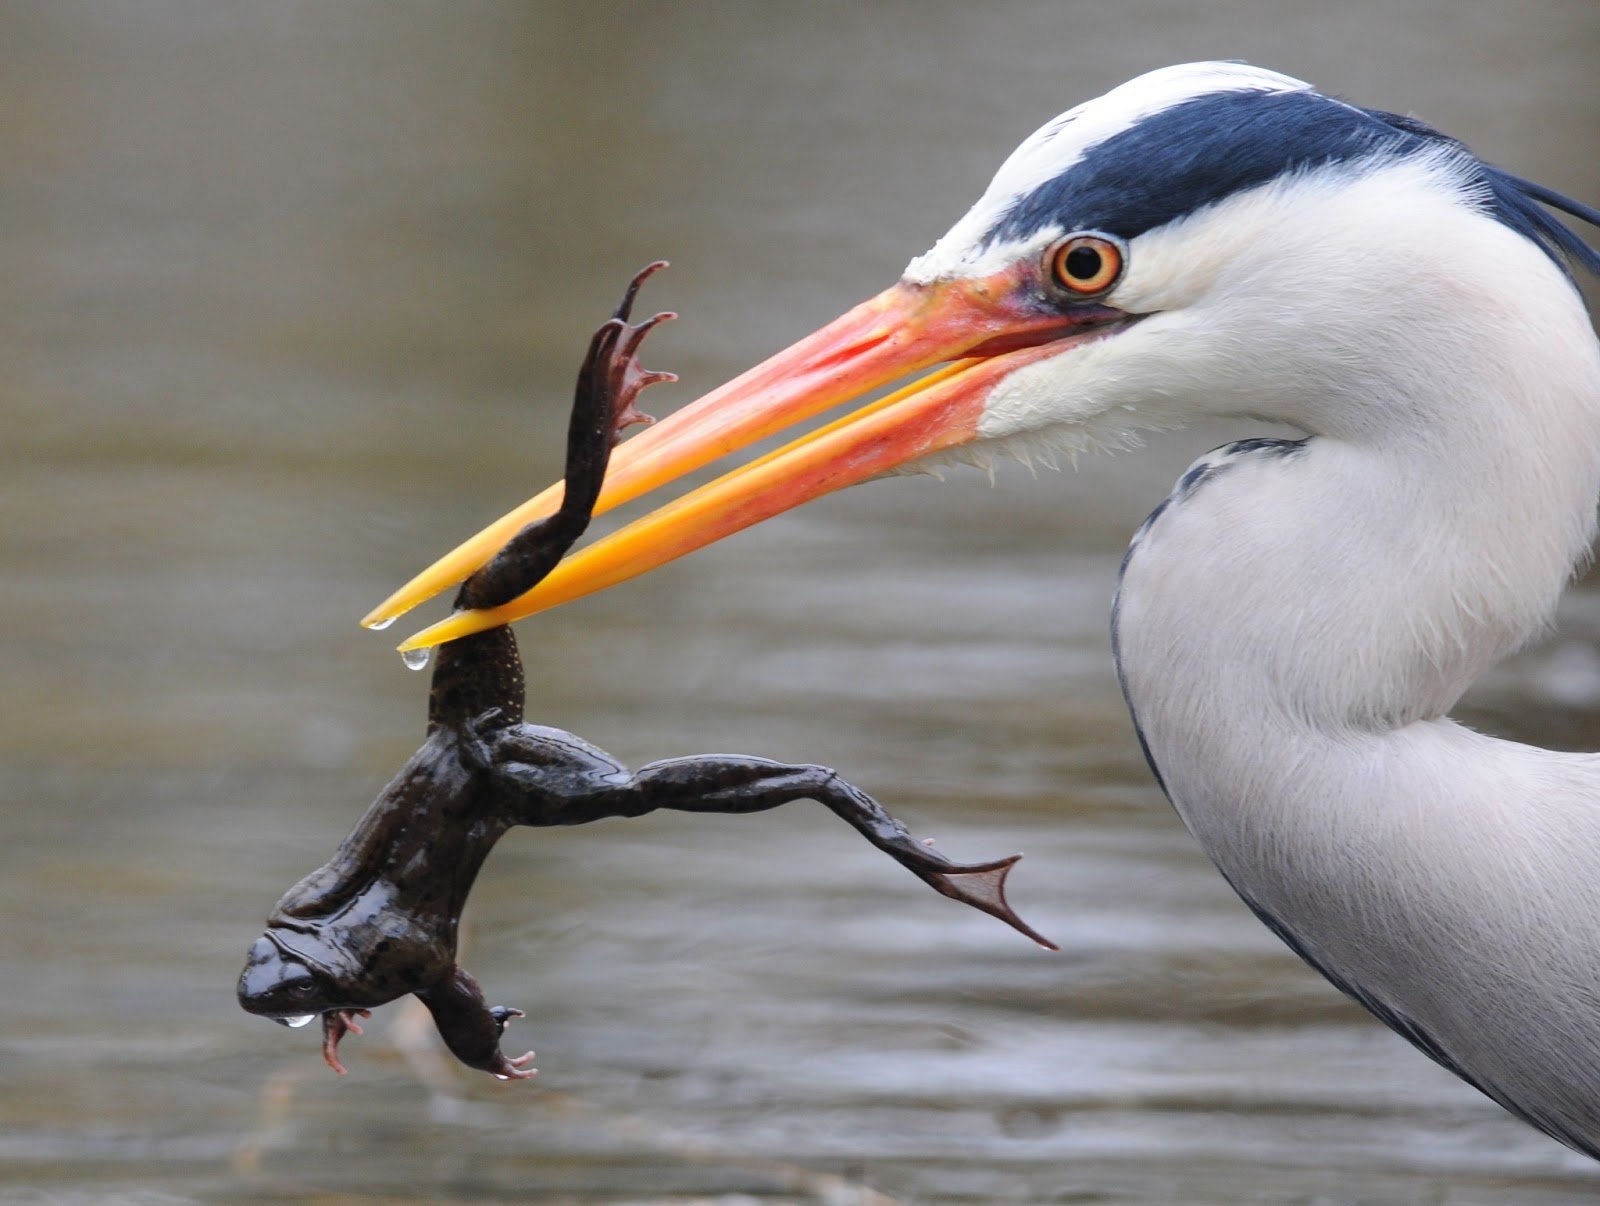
<point>1364,583</point>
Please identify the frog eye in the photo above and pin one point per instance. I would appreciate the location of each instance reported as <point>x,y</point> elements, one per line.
<point>1086,264</point>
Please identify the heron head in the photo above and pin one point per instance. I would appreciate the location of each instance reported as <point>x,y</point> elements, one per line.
<point>1205,239</point>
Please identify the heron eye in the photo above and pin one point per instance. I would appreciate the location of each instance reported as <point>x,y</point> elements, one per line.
<point>1086,264</point>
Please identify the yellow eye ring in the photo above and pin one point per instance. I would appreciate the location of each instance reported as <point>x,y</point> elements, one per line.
<point>1086,264</point>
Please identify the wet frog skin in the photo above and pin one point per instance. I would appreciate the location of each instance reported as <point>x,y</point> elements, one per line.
<point>380,918</point>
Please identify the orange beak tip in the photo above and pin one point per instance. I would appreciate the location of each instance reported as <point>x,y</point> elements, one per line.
<point>454,626</point>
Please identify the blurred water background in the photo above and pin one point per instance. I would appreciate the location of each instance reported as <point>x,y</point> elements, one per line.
<point>294,295</point>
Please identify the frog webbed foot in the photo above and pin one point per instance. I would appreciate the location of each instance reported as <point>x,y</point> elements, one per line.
<point>626,378</point>
<point>336,1023</point>
<point>981,885</point>
<point>472,1029</point>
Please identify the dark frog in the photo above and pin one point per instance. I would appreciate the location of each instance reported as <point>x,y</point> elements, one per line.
<point>380,919</point>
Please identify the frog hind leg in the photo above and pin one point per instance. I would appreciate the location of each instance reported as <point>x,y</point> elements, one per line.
<point>717,783</point>
<point>604,403</point>
<point>484,671</point>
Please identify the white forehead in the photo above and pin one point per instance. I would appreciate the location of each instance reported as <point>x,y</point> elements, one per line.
<point>1056,146</point>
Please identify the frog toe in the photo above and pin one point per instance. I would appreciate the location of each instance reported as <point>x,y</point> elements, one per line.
<point>336,1023</point>
<point>515,1069</point>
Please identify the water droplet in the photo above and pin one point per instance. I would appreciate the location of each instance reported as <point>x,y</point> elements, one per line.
<point>416,659</point>
<point>304,1019</point>
<point>380,625</point>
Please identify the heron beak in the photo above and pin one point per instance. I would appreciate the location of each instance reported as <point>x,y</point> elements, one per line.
<point>986,328</point>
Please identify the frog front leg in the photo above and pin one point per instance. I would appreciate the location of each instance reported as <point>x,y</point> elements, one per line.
<point>471,1028</point>
<point>336,1023</point>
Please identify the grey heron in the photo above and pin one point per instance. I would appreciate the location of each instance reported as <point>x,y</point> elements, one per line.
<point>1296,620</point>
